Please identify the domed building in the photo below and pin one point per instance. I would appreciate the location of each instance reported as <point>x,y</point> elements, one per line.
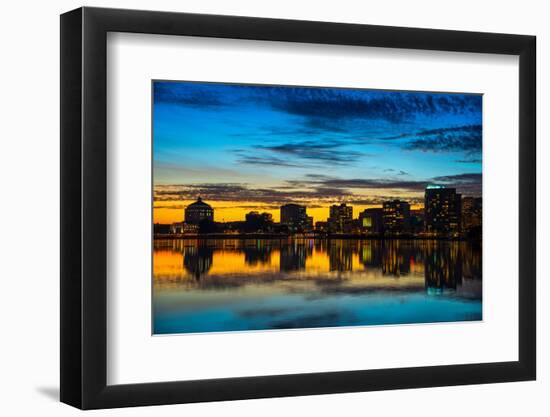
<point>198,211</point>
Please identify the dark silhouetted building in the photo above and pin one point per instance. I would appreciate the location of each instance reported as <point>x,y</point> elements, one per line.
<point>199,212</point>
<point>161,229</point>
<point>258,222</point>
<point>294,216</point>
<point>442,210</point>
<point>396,217</point>
<point>340,219</point>
<point>371,221</point>
<point>321,227</point>
<point>472,213</point>
<point>417,221</point>
<point>182,228</point>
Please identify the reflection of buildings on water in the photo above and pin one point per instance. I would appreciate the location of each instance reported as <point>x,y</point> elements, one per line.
<point>472,261</point>
<point>472,215</point>
<point>341,255</point>
<point>396,258</point>
<point>197,260</point>
<point>260,254</point>
<point>370,254</point>
<point>321,245</point>
<point>294,255</point>
<point>443,267</point>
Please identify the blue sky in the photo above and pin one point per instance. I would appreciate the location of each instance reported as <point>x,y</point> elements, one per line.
<point>274,144</point>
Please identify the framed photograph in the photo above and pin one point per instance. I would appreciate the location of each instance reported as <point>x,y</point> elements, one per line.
<point>257,208</point>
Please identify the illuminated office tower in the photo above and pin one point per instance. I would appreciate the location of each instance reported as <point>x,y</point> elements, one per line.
<point>442,210</point>
<point>340,219</point>
<point>396,217</point>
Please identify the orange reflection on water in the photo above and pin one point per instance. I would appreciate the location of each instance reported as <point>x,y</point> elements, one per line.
<point>222,263</point>
<point>232,262</point>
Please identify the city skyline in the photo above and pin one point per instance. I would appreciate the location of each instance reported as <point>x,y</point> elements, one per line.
<point>254,148</point>
<point>446,215</point>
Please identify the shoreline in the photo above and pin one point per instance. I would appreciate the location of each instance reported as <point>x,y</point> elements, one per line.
<point>318,237</point>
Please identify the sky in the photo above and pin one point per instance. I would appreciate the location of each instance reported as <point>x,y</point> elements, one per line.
<point>254,147</point>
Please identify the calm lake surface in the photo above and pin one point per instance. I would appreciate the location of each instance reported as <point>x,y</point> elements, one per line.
<point>209,285</point>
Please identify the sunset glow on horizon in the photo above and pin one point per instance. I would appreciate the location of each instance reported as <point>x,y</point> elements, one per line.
<point>166,212</point>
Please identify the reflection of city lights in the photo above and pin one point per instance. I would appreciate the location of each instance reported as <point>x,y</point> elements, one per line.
<point>443,265</point>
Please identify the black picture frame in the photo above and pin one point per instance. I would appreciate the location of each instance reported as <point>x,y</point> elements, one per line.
<point>84,207</point>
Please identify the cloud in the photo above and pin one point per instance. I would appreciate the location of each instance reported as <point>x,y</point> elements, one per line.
<point>318,190</point>
<point>170,206</point>
<point>272,161</point>
<point>469,183</point>
<point>303,154</point>
<point>322,109</point>
<point>316,151</point>
<point>465,128</point>
<point>460,178</point>
<point>396,171</point>
<point>391,106</point>
<point>244,193</point>
<point>194,96</point>
<point>467,138</point>
<point>470,160</point>
<point>315,125</point>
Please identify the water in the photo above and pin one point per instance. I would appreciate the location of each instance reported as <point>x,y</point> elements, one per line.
<point>209,285</point>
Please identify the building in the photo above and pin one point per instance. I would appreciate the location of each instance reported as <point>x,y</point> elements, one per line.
<point>177,228</point>
<point>198,212</point>
<point>472,213</point>
<point>396,216</point>
<point>442,210</point>
<point>371,221</point>
<point>258,222</point>
<point>321,227</point>
<point>161,229</point>
<point>417,221</point>
<point>340,218</point>
<point>182,228</point>
<point>309,226</point>
<point>294,217</point>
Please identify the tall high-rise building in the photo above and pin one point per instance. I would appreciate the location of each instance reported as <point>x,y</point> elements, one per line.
<point>442,210</point>
<point>340,219</point>
<point>294,216</point>
<point>371,220</point>
<point>198,211</point>
<point>396,216</point>
<point>471,213</point>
